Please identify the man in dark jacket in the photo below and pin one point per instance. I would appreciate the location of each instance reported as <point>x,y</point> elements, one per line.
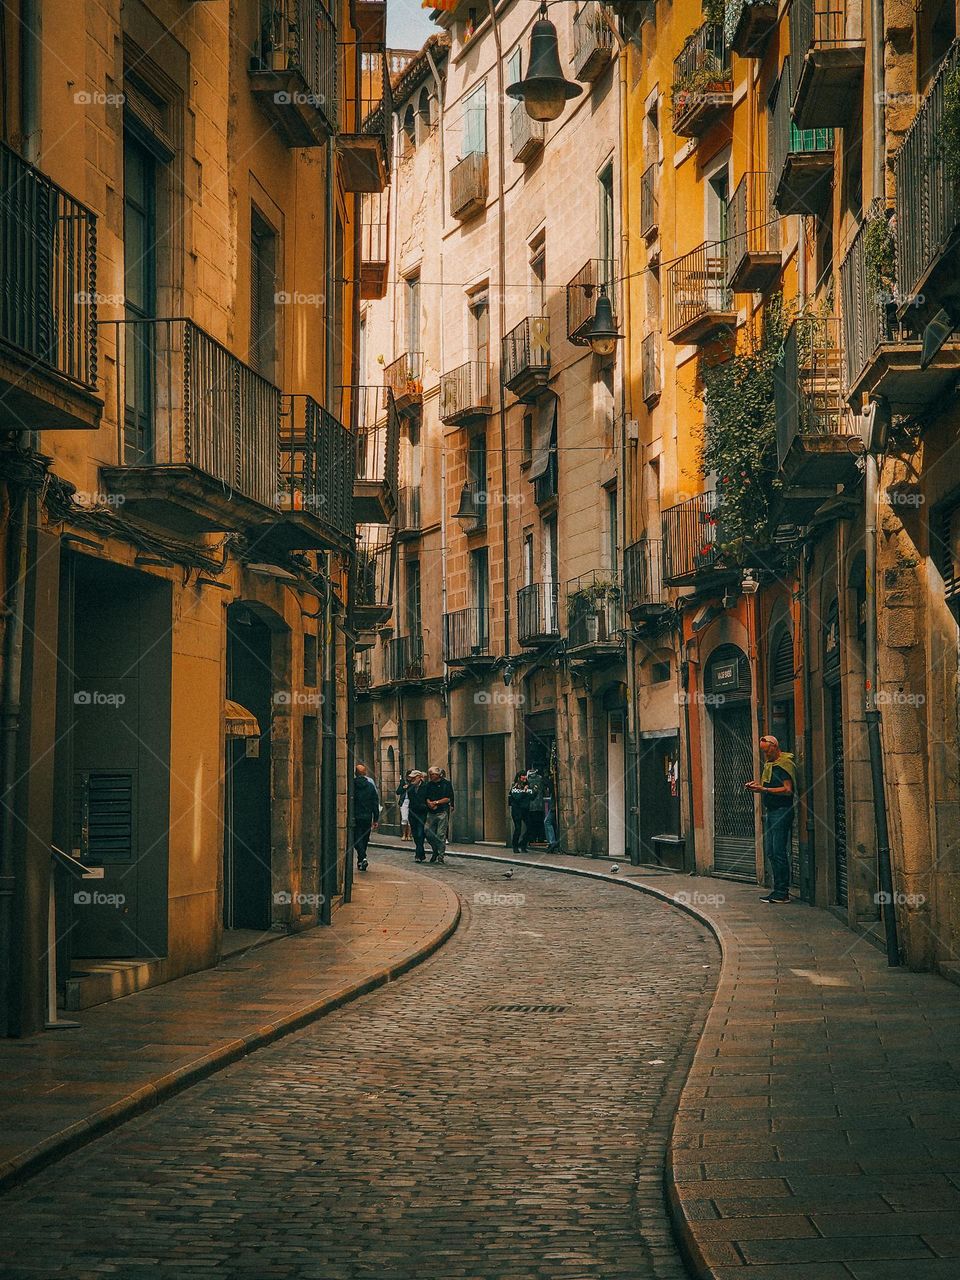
<point>438,794</point>
<point>366,812</point>
<point>519,801</point>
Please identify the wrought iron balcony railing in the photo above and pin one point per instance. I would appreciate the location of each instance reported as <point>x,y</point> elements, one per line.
<point>405,658</point>
<point>594,611</point>
<point>48,275</point>
<point>363,141</point>
<point>403,380</point>
<point>538,613</point>
<point>649,210</point>
<point>374,572</point>
<point>526,134</point>
<point>377,432</point>
<point>826,45</point>
<point>643,574</point>
<point>465,393</point>
<point>702,80</point>
<point>690,543</point>
<point>928,197</point>
<point>865,306</point>
<point>801,160</point>
<point>582,297</point>
<point>294,70</point>
<point>808,384</point>
<point>592,42</point>
<point>753,235</point>
<point>466,635</point>
<point>317,464</point>
<point>650,368</point>
<point>525,360</point>
<point>468,185</point>
<point>699,299</point>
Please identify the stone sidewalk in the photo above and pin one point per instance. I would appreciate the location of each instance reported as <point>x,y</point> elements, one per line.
<point>818,1133</point>
<point>60,1089</point>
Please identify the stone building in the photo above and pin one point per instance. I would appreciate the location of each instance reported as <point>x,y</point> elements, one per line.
<point>179,210</point>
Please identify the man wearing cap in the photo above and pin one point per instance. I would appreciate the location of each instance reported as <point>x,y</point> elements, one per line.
<point>776,788</point>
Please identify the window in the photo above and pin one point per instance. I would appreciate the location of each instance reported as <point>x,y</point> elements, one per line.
<point>659,672</point>
<point>514,66</point>
<point>718,194</point>
<point>477,464</point>
<point>362,351</point>
<point>424,114</point>
<point>538,272</point>
<point>480,586</point>
<point>413,599</point>
<point>475,122</point>
<point>612,530</point>
<point>607,242</point>
<point>263,288</point>
<point>528,558</point>
<point>412,312</point>
<point>409,130</point>
<point>527,437</point>
<point>140,285</point>
<point>479,308</point>
<point>651,134</point>
<point>551,572</point>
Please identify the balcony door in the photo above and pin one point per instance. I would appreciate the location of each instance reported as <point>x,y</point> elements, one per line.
<point>475,122</point>
<point>480,587</point>
<point>263,291</point>
<point>140,299</point>
<point>551,573</point>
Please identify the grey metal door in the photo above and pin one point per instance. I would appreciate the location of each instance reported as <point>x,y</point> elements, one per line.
<point>734,829</point>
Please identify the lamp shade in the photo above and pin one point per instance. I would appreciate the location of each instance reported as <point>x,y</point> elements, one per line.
<point>603,336</point>
<point>544,89</point>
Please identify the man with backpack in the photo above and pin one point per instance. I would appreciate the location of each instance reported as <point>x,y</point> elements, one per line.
<point>776,788</point>
<point>366,812</point>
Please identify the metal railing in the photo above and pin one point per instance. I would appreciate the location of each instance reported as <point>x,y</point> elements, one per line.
<point>650,366</point>
<point>48,272</point>
<point>183,398</point>
<point>377,433</point>
<point>465,390</point>
<point>697,286</point>
<point>582,295</point>
<point>821,24</point>
<point>408,509</point>
<point>405,658</point>
<point>468,182</point>
<point>649,212</point>
<point>752,225</point>
<point>592,38</point>
<point>538,612</point>
<point>865,305</point>
<point>466,634</point>
<point>374,566</point>
<point>374,100</point>
<point>643,573</point>
<point>808,383</point>
<point>363,671</point>
<point>927,201</point>
<point>594,610</point>
<point>301,35</point>
<point>317,463</point>
<point>702,67</point>
<point>526,348</point>
<point>689,532</point>
<point>546,485</point>
<point>526,134</point>
<point>403,377</point>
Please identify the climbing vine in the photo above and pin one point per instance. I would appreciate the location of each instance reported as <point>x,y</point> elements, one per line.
<point>950,124</point>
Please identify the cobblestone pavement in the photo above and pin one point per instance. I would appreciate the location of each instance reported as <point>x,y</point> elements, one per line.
<point>424,1131</point>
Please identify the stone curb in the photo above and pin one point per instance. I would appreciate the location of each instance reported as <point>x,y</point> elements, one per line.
<point>25,1164</point>
<point>683,1228</point>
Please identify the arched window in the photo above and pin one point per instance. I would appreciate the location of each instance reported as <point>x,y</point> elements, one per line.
<point>424,113</point>
<point>409,130</point>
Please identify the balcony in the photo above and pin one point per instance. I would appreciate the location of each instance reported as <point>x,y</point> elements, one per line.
<point>649,208</point>
<point>594,616</point>
<point>699,300</point>
<point>753,248</point>
<point>582,298</point>
<point>374,245</point>
<point>466,638</point>
<point>293,74</point>
<point>363,143</point>
<point>818,442</point>
<point>927,202</point>
<point>827,49</point>
<point>403,381</point>
<point>527,136</point>
<point>405,659</point>
<point>538,614</point>
<point>377,431</point>
<point>882,357</point>
<point>200,431</point>
<point>546,485</point>
<point>643,594</point>
<point>362,672</point>
<point>525,360</point>
<point>690,547</point>
<point>801,161</point>
<point>468,186</point>
<point>369,19</point>
<point>702,81</point>
<point>315,494</point>
<point>373,582</point>
<point>48,311</point>
<point>650,369</point>
<point>747,24</point>
<point>465,393</point>
<point>408,512</point>
<point>592,42</point>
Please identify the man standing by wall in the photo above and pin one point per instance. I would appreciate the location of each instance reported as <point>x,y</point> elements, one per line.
<point>776,789</point>
<point>366,812</point>
<point>439,800</point>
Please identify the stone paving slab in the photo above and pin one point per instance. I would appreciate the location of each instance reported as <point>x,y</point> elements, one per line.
<point>823,1101</point>
<point>60,1089</point>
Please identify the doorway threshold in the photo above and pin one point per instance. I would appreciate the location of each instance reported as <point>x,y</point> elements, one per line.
<point>97,981</point>
<point>236,941</point>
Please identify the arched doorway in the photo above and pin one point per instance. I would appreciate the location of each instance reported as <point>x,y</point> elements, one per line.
<point>727,687</point>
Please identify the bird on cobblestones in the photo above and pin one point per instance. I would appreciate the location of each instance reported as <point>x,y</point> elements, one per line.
<point>508,875</point>
<point>615,868</point>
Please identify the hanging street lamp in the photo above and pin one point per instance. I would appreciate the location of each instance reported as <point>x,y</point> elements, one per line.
<point>544,89</point>
<point>602,334</point>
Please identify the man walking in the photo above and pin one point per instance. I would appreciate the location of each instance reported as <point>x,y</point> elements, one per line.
<point>418,811</point>
<point>519,802</point>
<point>438,795</point>
<point>366,812</point>
<point>776,788</point>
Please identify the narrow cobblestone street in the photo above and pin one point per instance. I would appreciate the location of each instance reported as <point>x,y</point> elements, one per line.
<point>462,1139</point>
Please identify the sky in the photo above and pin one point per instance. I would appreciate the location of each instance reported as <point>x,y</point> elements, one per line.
<point>408,25</point>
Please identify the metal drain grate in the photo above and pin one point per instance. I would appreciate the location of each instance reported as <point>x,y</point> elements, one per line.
<point>526,1008</point>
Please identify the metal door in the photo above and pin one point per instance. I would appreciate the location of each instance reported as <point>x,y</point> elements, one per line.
<point>839,794</point>
<point>734,829</point>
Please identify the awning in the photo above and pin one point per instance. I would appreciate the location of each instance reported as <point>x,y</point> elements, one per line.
<point>544,421</point>
<point>240,722</point>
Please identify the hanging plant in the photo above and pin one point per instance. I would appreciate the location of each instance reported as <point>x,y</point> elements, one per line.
<point>950,124</point>
<point>714,11</point>
<point>879,258</point>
